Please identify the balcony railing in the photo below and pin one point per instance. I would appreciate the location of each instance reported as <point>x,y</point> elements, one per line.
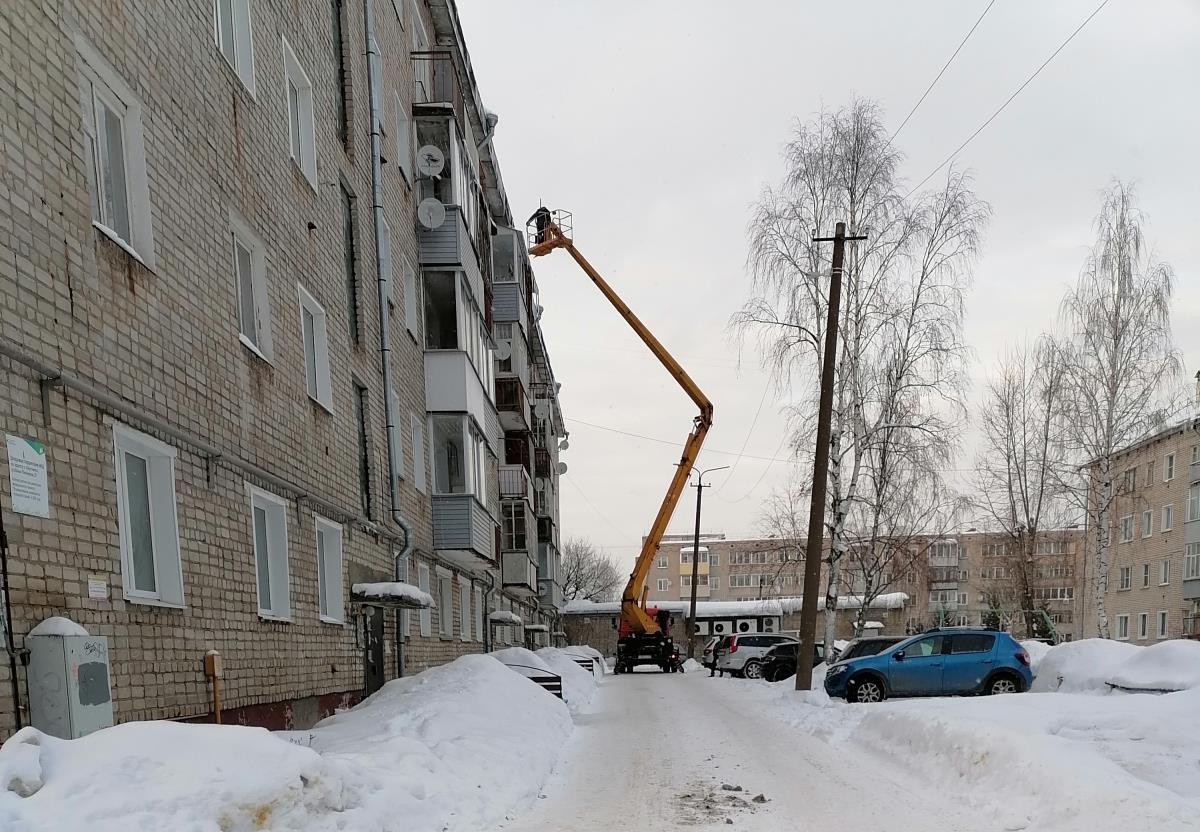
<point>436,80</point>
<point>542,463</point>
<point>509,395</point>
<point>515,483</point>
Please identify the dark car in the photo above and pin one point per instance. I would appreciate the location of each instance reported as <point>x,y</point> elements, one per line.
<point>868,646</point>
<point>780,661</point>
<point>782,664</point>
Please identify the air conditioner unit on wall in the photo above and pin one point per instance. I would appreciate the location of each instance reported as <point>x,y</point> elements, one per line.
<point>770,625</point>
<point>747,625</point>
<point>701,628</point>
<point>721,628</point>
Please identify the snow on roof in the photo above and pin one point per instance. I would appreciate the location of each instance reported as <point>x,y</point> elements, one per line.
<point>397,591</point>
<point>874,625</point>
<point>725,609</point>
<point>536,628</point>
<point>505,617</point>
<point>58,626</point>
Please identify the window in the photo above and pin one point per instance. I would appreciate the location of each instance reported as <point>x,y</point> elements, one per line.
<point>341,76</point>
<point>701,580</point>
<point>661,562</point>
<point>995,549</point>
<point>1127,528</point>
<point>1168,518</point>
<point>268,523</point>
<point>714,582</point>
<point>404,139</point>
<point>366,502</point>
<point>250,288</point>
<point>479,613</point>
<point>410,300</point>
<point>445,605</point>
<point>962,599</point>
<point>1147,523</point>
<point>298,96</point>
<point>1145,575</point>
<point>514,527</point>
<point>743,580</point>
<point>714,559</point>
<point>316,350</point>
<point>664,584</point>
<point>426,613</point>
<point>945,549</point>
<point>1143,620</point>
<point>417,429</point>
<point>1195,453</point>
<point>151,568</point>
<point>385,264</point>
<point>1162,624</point>
<point>453,321</point>
<point>464,612</point>
<point>685,555</point>
<point>973,643</point>
<point>460,456</point>
<point>115,155</point>
<point>1123,627</point>
<point>1130,482</point>
<point>923,648</point>
<point>232,31</point>
<point>1149,473</point>
<point>1164,572</point>
<point>1126,574</point>
<point>349,214</point>
<point>1191,561</point>
<point>1051,547</point>
<point>1193,503</point>
<point>329,571</point>
<point>1169,468</point>
<point>395,437</point>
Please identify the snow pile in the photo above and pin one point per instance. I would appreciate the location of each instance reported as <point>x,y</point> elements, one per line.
<point>56,625</point>
<point>599,665</point>
<point>1037,651</point>
<point>577,683</point>
<point>405,593</point>
<point>691,666</point>
<point>458,747</point>
<point>1166,666</point>
<point>505,617</point>
<point>1083,666</point>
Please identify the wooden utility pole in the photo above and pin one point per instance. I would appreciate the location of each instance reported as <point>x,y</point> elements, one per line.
<point>816,514</point>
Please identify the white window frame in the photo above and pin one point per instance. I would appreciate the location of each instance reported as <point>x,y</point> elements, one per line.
<point>426,617</point>
<point>303,124</point>
<point>445,587</point>
<point>417,431</point>
<point>164,524</point>
<point>660,562</point>
<point>1125,578</point>
<point>1122,628</point>
<point>329,570</point>
<point>1191,561</point>
<point>275,510</point>
<point>241,39</point>
<point>1163,625</point>
<point>101,84</point>
<point>1168,518</point>
<point>1169,467</point>
<point>1164,572</point>
<point>1143,622</point>
<point>405,140</point>
<point>714,582</point>
<point>1145,575</point>
<point>1193,503</point>
<point>261,342</point>
<point>479,614</point>
<point>664,584</point>
<point>1127,528</point>
<point>320,358</point>
<point>464,609</point>
<point>1148,523</point>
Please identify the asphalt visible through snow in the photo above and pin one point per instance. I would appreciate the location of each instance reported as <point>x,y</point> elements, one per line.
<point>657,751</point>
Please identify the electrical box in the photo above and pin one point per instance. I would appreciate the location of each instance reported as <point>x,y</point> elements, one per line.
<point>69,691</point>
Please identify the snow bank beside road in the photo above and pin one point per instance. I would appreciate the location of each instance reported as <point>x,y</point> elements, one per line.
<point>578,684</point>
<point>458,747</point>
<point>1094,665</point>
<point>1166,666</point>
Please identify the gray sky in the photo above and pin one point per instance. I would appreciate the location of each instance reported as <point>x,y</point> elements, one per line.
<point>658,123</point>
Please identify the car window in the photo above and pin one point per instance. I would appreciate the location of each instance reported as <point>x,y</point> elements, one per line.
<point>931,646</point>
<point>972,643</point>
<point>871,648</point>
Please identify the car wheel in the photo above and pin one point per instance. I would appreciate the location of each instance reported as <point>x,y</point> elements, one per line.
<point>753,670</point>
<point>1002,684</point>
<point>865,690</point>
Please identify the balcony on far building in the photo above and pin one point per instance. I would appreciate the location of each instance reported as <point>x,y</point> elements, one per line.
<point>519,573</point>
<point>436,82</point>
<point>515,483</point>
<point>511,402</point>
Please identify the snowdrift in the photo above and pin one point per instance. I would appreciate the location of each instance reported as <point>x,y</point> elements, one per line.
<point>1166,666</point>
<point>458,747</point>
<point>1095,665</point>
<point>578,684</point>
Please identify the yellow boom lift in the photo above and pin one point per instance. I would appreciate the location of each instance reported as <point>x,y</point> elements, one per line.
<point>643,634</point>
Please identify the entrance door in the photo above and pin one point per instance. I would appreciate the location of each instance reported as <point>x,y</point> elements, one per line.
<point>373,670</point>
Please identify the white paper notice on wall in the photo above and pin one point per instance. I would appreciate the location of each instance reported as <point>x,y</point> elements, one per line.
<point>97,588</point>
<point>27,476</point>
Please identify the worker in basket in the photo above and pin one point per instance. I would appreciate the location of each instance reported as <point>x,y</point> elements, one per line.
<point>540,221</point>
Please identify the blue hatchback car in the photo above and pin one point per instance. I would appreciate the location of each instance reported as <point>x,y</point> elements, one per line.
<point>935,663</point>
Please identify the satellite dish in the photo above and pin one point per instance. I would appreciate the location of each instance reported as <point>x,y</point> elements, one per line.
<point>430,160</point>
<point>541,410</point>
<point>431,213</point>
<point>504,350</point>
<point>563,445</point>
<point>541,483</point>
<point>562,468</point>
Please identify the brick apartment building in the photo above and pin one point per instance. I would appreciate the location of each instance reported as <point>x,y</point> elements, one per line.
<point>1154,555</point>
<point>200,299</point>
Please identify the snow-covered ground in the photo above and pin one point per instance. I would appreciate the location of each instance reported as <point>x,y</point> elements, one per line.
<point>458,747</point>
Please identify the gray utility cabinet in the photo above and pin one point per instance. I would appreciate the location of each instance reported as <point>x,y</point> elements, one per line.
<point>69,692</point>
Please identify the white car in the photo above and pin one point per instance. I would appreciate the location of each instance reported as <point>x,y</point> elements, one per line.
<point>742,655</point>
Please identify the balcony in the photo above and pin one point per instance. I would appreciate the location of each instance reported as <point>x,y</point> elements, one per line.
<point>937,585</point>
<point>1193,473</point>
<point>436,81</point>
<point>453,386</point>
<point>1191,589</point>
<point>1191,626</point>
<point>935,605</point>
<point>511,402</point>
<point>515,483</point>
<point>450,246</point>
<point>519,573</point>
<point>550,594</point>
<point>542,463</point>
<point>463,531</point>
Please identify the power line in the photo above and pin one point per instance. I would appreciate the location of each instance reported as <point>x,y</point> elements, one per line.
<point>599,513</point>
<point>1009,100</point>
<point>945,66</point>
<point>749,433</point>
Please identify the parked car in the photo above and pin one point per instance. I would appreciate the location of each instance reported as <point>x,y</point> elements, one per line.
<point>780,661</point>
<point>742,655</point>
<point>935,663</point>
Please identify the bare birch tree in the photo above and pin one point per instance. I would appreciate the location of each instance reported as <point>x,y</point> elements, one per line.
<point>1018,472</point>
<point>587,573</point>
<point>900,358</point>
<point>1120,361</point>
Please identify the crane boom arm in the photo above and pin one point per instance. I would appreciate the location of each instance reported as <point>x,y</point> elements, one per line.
<point>632,612</point>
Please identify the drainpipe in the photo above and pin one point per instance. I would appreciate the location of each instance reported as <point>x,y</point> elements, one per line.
<point>383,281</point>
<point>9,640</point>
<point>487,630</point>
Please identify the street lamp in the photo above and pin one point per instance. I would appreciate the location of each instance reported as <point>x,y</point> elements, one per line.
<point>699,486</point>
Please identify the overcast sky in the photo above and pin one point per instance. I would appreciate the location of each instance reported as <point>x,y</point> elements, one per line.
<point>658,123</point>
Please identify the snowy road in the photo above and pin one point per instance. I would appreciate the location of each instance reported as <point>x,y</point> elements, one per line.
<point>655,750</point>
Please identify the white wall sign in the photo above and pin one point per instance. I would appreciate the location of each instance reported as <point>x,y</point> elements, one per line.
<point>27,476</point>
<point>97,588</point>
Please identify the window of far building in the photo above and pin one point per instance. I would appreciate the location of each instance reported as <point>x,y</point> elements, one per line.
<point>362,415</point>
<point>1143,622</point>
<point>453,321</point>
<point>1168,467</point>
<point>1191,561</point>
<point>115,155</point>
<point>1130,480</point>
<point>1150,473</point>
<point>1168,518</point>
<point>660,562</point>
<point>1126,577</point>
<point>664,584</point>
<point>350,260</point>
<point>298,99</point>
<point>268,525</point>
<point>417,437</point>
<point>1147,523</point>
<point>341,76</point>
<point>249,265</point>
<point>1162,624</point>
<point>151,564</point>
<point>464,609</point>
<point>1164,572</point>
<point>460,456</point>
<point>480,613</point>
<point>445,600</point>
<point>514,532</point>
<point>714,559</point>
<point>1193,503</point>
<point>231,20</point>
<point>1127,528</point>
<point>426,616</point>
<point>1123,627</point>
<point>329,571</point>
<point>1145,575</point>
<point>314,336</point>
<point>685,555</point>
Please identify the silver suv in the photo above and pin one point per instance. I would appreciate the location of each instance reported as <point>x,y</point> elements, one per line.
<point>742,655</point>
